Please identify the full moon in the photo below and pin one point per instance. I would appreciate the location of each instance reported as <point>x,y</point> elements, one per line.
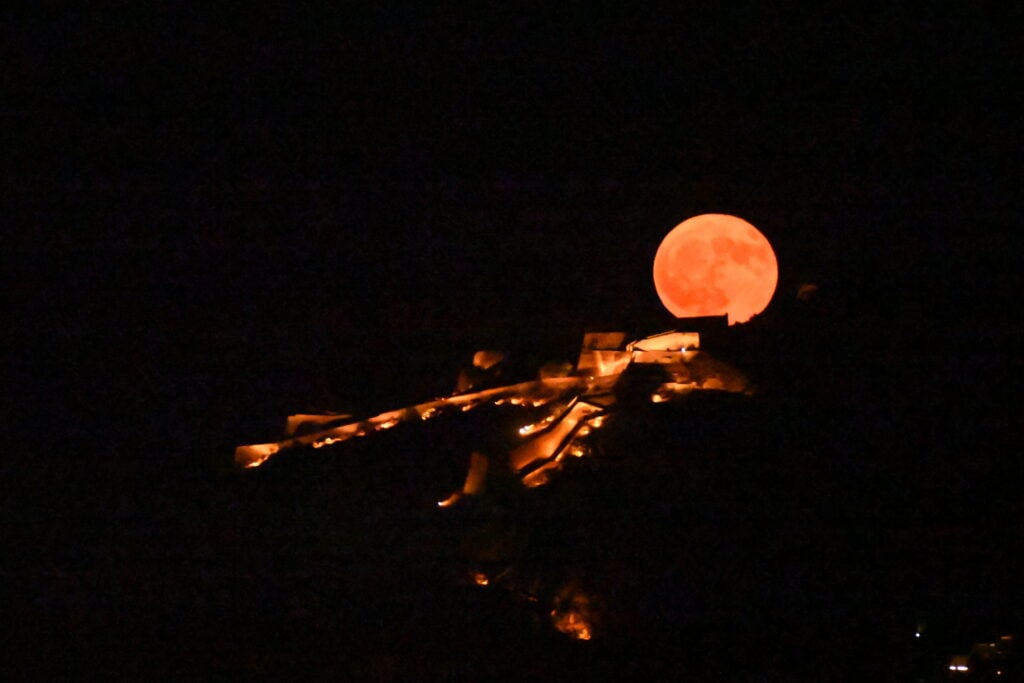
<point>715,264</point>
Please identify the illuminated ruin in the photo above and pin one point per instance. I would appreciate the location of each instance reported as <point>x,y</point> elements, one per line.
<point>558,417</point>
<point>576,405</point>
<point>555,416</point>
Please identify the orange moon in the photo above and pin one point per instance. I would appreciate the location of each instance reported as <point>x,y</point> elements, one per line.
<point>715,264</point>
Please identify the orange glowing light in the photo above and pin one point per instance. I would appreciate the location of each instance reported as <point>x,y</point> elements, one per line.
<point>546,445</point>
<point>255,455</point>
<point>715,264</point>
<point>574,613</point>
<point>476,477</point>
<point>572,624</point>
<point>450,500</point>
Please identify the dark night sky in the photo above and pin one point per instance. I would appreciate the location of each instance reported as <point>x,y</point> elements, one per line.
<point>226,210</point>
<point>224,215</point>
<point>349,172</point>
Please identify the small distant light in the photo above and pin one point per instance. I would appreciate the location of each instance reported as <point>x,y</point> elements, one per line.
<point>917,634</point>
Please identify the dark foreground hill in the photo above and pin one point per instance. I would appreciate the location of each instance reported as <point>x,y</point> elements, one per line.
<point>719,537</point>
